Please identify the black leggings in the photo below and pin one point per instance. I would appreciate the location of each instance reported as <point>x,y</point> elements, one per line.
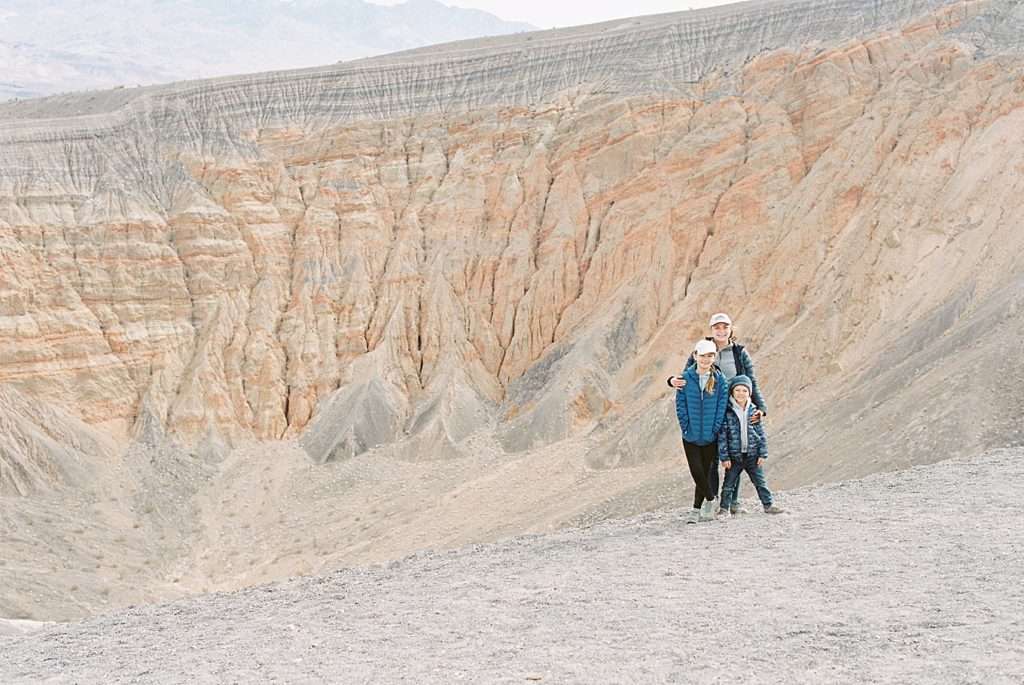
<point>703,462</point>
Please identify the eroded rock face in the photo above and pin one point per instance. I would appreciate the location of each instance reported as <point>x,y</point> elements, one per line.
<point>522,235</point>
<point>43,448</point>
<point>453,281</point>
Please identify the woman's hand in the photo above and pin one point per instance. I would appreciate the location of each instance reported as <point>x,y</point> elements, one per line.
<point>728,465</point>
<point>760,461</point>
<point>756,416</point>
<point>678,382</point>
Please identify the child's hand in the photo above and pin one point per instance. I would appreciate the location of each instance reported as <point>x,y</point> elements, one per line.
<point>760,461</point>
<point>727,465</point>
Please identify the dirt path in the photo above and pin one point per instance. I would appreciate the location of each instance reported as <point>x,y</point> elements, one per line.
<point>905,577</point>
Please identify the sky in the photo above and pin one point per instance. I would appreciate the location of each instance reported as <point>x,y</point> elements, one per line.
<point>547,14</point>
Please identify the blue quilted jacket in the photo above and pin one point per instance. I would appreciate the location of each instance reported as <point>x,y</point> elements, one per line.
<point>700,413</point>
<point>730,442</point>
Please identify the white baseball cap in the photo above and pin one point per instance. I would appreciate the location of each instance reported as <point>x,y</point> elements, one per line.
<point>720,317</point>
<point>705,347</point>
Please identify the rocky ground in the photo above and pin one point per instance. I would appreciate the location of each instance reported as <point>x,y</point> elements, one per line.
<point>912,577</point>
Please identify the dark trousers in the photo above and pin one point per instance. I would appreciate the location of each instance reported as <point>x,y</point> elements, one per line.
<point>735,494</point>
<point>703,463</point>
<point>747,463</point>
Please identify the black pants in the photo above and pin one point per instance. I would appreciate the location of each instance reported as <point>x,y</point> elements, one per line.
<point>703,462</point>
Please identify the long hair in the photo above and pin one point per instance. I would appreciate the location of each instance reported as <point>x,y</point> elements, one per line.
<point>711,373</point>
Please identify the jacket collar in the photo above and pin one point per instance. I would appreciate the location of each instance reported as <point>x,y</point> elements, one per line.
<point>733,406</point>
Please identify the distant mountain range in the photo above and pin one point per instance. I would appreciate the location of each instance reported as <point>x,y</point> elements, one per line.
<point>52,46</point>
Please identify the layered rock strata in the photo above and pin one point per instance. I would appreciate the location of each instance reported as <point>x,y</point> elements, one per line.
<point>458,277</point>
<point>417,232</point>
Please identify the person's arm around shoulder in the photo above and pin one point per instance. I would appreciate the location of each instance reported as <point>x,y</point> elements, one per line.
<point>755,390</point>
<point>722,401</point>
<point>682,410</point>
<point>679,381</point>
<point>762,442</point>
<point>676,382</point>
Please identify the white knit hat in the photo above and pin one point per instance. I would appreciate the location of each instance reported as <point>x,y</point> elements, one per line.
<point>720,317</point>
<point>705,347</point>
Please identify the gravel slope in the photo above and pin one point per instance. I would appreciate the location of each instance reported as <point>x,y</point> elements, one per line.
<point>912,576</point>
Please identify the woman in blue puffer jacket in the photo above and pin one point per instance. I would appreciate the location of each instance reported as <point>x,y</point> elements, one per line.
<point>700,408</point>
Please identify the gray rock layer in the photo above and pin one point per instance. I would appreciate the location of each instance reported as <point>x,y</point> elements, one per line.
<point>660,53</point>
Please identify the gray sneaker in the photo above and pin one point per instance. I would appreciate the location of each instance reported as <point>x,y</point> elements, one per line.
<point>722,514</point>
<point>707,510</point>
<point>772,509</point>
<point>738,508</point>
<point>693,516</point>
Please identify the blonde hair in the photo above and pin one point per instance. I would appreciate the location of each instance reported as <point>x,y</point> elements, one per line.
<point>711,374</point>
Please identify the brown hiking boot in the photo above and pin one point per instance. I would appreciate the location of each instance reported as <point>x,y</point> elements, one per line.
<point>772,509</point>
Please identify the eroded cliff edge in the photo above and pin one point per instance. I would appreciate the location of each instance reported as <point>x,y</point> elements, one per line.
<point>486,257</point>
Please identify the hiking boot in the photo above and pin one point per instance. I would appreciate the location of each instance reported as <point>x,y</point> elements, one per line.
<point>772,509</point>
<point>693,516</point>
<point>737,509</point>
<point>722,514</point>
<point>707,510</point>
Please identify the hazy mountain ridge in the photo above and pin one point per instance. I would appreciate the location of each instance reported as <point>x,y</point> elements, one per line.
<point>72,46</point>
<point>672,53</point>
